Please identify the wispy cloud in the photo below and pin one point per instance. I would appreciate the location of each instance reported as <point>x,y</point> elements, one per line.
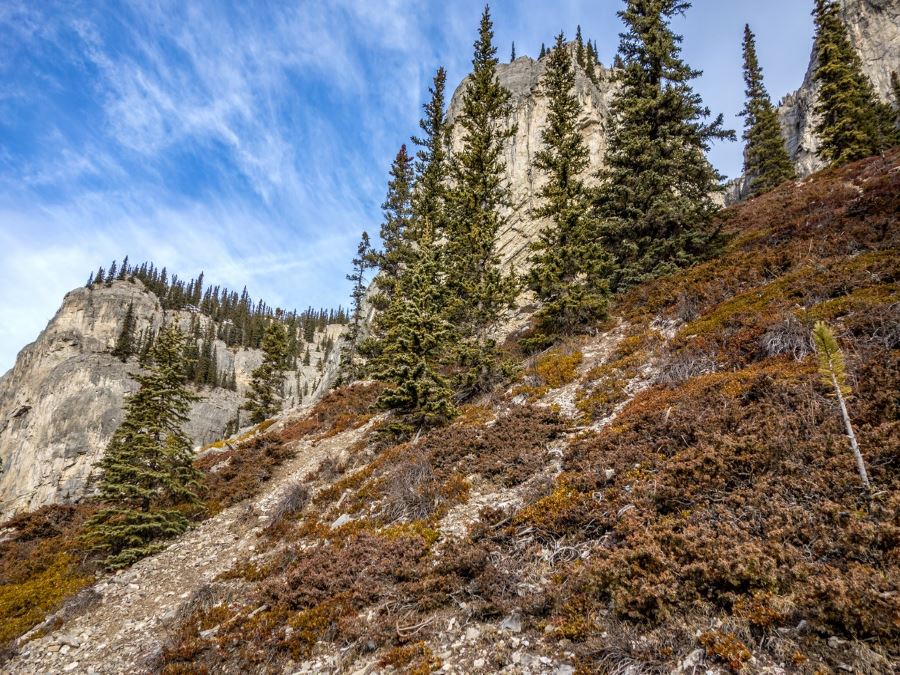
<point>250,140</point>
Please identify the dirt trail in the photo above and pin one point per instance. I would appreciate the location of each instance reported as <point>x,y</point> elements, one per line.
<point>124,624</point>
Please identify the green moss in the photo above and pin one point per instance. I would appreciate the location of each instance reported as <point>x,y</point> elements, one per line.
<point>26,603</point>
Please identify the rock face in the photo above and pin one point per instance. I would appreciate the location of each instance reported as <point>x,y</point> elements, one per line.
<point>874,30</point>
<point>522,78</point>
<point>62,400</point>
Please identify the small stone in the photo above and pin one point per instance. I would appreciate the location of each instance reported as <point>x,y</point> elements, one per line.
<point>545,660</point>
<point>133,587</point>
<point>69,640</point>
<point>53,648</point>
<point>516,657</point>
<point>478,663</point>
<point>72,666</point>
<point>834,642</point>
<point>610,474</point>
<point>472,633</point>
<point>342,519</point>
<point>565,669</point>
<point>512,623</point>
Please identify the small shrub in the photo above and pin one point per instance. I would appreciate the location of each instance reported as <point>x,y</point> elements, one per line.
<point>790,336</point>
<point>291,503</point>
<point>558,367</point>
<point>726,648</point>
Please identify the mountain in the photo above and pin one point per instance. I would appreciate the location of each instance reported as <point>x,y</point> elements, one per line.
<point>674,493</point>
<point>62,400</point>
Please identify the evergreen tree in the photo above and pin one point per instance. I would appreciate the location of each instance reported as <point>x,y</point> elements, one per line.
<point>263,398</point>
<point>569,268</point>
<point>579,48</point>
<point>123,271</point>
<point>655,194</point>
<point>100,277</point>
<point>766,161</point>
<point>416,339</point>
<point>543,52</point>
<point>147,481</point>
<point>432,158</point>
<point>480,290</point>
<point>111,276</point>
<point>512,56</point>
<point>395,240</point>
<point>349,368</point>
<point>90,281</point>
<point>125,342</point>
<point>852,121</point>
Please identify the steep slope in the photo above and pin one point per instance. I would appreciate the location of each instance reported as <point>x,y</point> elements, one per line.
<point>62,400</point>
<point>673,494</point>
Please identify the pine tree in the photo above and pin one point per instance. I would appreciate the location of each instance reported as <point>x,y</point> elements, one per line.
<point>569,268</point>
<point>834,375</point>
<point>349,368</point>
<point>123,271</point>
<point>579,48</point>
<point>655,194</point>
<point>397,209</point>
<point>476,195</point>
<point>432,162</point>
<point>100,277</point>
<point>852,121</point>
<point>125,342</point>
<point>766,161</point>
<point>543,52</point>
<point>263,398</point>
<point>512,56</point>
<point>147,482</point>
<point>90,281</point>
<point>111,276</point>
<point>416,339</point>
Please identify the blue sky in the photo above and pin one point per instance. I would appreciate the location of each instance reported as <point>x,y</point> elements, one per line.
<point>252,140</point>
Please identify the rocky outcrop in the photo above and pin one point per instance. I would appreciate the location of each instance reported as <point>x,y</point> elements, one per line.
<point>874,30</point>
<point>62,400</point>
<point>522,78</point>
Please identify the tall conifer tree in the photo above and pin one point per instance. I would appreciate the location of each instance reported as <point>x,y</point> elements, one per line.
<point>147,481</point>
<point>416,339</point>
<point>476,196</point>
<point>397,209</point>
<point>852,121</point>
<point>349,368</point>
<point>656,192</point>
<point>125,342</point>
<point>569,267</point>
<point>766,161</point>
<point>263,398</point>
<point>432,162</point>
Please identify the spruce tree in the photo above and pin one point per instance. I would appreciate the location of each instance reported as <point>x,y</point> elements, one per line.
<point>395,240</point>
<point>512,56</point>
<point>477,284</point>
<point>147,483</point>
<point>263,398</point>
<point>432,162</point>
<point>766,161</point>
<point>349,368</point>
<point>655,193</point>
<point>125,342</point>
<point>543,52</point>
<point>569,267</point>
<point>416,339</point>
<point>579,48</point>
<point>852,121</point>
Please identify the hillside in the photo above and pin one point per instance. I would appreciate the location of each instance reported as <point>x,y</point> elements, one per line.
<point>671,494</point>
<point>62,400</point>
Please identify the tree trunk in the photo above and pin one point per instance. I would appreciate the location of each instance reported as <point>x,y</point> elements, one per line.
<point>860,464</point>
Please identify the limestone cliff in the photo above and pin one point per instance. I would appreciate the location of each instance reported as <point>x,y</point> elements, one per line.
<point>522,78</point>
<point>62,400</point>
<point>874,30</point>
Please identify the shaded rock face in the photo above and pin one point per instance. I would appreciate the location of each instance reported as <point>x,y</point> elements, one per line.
<point>874,30</point>
<point>530,107</point>
<point>62,401</point>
